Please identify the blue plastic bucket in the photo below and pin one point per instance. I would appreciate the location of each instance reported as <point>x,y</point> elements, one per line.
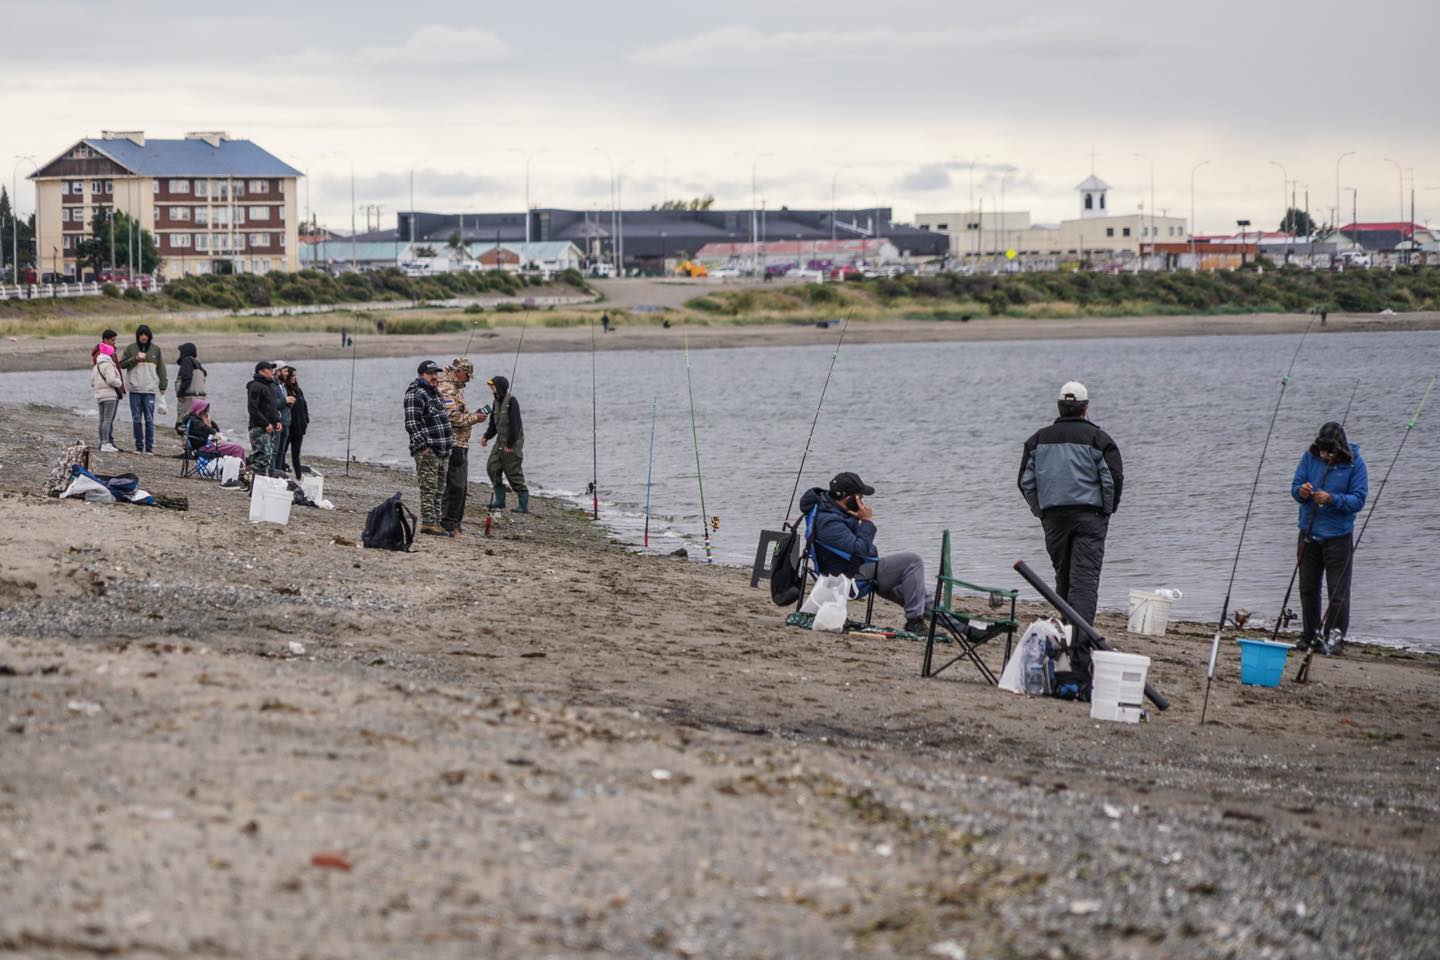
<point>1262,663</point>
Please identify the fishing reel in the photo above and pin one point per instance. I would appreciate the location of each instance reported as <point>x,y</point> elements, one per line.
<point>715,524</point>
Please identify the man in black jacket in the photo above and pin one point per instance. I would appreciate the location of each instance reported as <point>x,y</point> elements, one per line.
<point>1071,476</point>
<point>189,384</point>
<point>264,418</point>
<point>507,459</point>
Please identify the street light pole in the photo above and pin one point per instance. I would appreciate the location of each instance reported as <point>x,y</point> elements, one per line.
<point>754,202</point>
<point>354,258</point>
<point>979,223</point>
<point>15,209</point>
<point>1194,264</point>
<point>1152,207</point>
<point>611,160</point>
<point>528,155</point>
<point>834,179</point>
<point>1400,172</point>
<point>1348,153</point>
<point>412,205</point>
<point>1287,218</point>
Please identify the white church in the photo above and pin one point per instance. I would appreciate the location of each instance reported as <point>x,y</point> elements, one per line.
<point>1099,232</point>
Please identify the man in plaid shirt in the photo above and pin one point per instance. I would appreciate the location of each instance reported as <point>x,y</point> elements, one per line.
<point>431,439</point>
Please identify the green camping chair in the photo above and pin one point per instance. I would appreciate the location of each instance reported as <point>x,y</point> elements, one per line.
<point>967,630</point>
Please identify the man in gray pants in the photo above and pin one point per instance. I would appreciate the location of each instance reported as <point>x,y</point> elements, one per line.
<point>842,541</point>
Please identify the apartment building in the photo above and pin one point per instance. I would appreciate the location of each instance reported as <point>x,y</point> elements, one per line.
<point>213,203</point>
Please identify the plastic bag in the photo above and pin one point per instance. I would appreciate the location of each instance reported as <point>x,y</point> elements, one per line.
<point>230,469</point>
<point>1028,669</point>
<point>829,601</point>
<point>161,407</point>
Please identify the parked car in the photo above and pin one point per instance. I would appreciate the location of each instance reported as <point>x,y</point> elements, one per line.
<point>602,270</point>
<point>1353,260</point>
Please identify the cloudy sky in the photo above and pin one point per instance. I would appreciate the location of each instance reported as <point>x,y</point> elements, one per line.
<point>887,101</point>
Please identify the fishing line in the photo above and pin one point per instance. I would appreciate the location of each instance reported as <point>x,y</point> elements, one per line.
<point>350,418</point>
<point>650,473</point>
<point>1338,590</point>
<point>1225,611</point>
<point>515,367</point>
<point>594,429</point>
<point>695,435</point>
<point>466,351</point>
<point>1305,539</point>
<point>845,325</point>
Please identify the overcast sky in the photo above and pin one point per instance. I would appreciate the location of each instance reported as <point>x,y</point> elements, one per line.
<point>896,98</point>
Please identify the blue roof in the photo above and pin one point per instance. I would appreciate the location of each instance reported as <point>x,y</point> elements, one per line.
<point>194,158</point>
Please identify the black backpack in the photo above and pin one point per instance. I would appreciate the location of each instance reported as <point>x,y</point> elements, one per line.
<point>785,581</point>
<point>390,526</point>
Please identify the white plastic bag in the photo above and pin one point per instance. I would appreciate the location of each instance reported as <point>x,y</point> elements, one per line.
<point>161,407</point>
<point>829,601</point>
<point>1026,669</point>
<point>230,469</point>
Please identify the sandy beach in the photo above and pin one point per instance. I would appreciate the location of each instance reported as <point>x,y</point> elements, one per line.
<point>55,353</point>
<point>222,739</point>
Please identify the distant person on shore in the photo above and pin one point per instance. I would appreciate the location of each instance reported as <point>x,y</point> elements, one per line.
<point>189,384</point>
<point>507,460</point>
<point>203,433</point>
<point>605,323</point>
<point>431,439</point>
<point>283,403</point>
<point>264,423</point>
<point>843,534</point>
<point>1071,476</point>
<point>457,474</point>
<point>144,380</point>
<point>299,418</point>
<point>107,386</point>
<point>1331,483</point>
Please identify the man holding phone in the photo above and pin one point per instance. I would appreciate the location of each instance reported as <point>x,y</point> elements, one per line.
<point>843,535</point>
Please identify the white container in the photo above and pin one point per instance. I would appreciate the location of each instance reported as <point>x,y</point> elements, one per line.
<point>314,486</point>
<point>1118,692</point>
<point>1149,613</point>
<point>270,501</point>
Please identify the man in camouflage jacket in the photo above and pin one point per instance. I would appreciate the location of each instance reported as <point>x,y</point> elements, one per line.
<point>457,475</point>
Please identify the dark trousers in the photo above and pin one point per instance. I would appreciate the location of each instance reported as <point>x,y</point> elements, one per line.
<point>1075,540</point>
<point>457,485</point>
<point>295,440</point>
<point>1328,559</point>
<point>282,443</point>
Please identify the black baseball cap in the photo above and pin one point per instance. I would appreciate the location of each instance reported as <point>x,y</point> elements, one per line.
<point>264,365</point>
<point>430,366</point>
<point>847,484</point>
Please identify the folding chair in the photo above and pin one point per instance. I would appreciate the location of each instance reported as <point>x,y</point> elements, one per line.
<point>187,455</point>
<point>967,630</point>
<point>808,571</point>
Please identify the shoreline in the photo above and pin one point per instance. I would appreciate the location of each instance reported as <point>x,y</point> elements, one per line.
<point>72,352</point>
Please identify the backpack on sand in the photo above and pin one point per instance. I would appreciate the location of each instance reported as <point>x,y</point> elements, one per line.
<point>785,585</point>
<point>390,526</point>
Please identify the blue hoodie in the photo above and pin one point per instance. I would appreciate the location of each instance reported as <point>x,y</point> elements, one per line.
<point>835,532</point>
<point>1348,483</point>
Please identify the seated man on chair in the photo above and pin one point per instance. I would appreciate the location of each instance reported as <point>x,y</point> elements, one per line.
<point>842,536</point>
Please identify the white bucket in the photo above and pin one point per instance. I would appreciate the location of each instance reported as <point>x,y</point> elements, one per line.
<point>314,486</point>
<point>1118,692</point>
<point>270,501</point>
<point>1149,613</point>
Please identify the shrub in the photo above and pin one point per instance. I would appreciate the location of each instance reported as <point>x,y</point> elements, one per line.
<point>110,290</point>
<point>133,293</point>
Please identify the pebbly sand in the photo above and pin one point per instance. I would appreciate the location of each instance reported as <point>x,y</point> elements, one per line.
<point>55,353</point>
<point>539,744</point>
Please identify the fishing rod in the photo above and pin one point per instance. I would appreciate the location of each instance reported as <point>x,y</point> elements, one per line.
<point>350,418</point>
<point>695,434</point>
<point>845,325</point>
<point>466,351</point>
<point>594,429</point>
<point>1339,590</point>
<point>1305,539</point>
<point>1225,610</point>
<point>650,473</point>
<point>515,367</point>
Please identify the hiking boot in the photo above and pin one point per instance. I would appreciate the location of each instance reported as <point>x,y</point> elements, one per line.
<point>434,530</point>
<point>918,626</point>
<point>456,531</point>
<point>524,505</point>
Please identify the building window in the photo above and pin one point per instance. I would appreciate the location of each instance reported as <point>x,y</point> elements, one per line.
<point>1089,201</point>
<point>1125,231</point>
<point>282,214</point>
<point>202,242</point>
<point>179,239</point>
<point>282,188</point>
<point>109,186</point>
<point>942,227</point>
<point>1109,231</point>
<point>202,188</point>
<point>1102,201</point>
<point>70,242</point>
<point>259,213</point>
<point>259,186</point>
<point>259,240</point>
<point>155,187</point>
<point>239,188</point>
<point>179,186</point>
<point>202,216</point>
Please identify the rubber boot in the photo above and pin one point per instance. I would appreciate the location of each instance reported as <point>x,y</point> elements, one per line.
<point>497,502</point>
<point>524,505</point>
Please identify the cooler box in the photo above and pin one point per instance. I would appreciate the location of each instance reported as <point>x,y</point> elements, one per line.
<point>1118,692</point>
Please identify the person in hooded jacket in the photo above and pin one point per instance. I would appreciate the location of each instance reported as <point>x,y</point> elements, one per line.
<point>283,403</point>
<point>189,384</point>
<point>842,537</point>
<point>1331,483</point>
<point>299,418</point>
<point>144,379</point>
<point>107,386</point>
<point>264,422</point>
<point>506,461</point>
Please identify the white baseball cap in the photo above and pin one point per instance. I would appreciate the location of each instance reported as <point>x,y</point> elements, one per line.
<point>1075,390</point>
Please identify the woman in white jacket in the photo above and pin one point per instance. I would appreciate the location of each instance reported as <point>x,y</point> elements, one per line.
<point>106,384</point>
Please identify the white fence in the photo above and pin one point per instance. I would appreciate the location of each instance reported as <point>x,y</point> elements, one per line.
<point>49,291</point>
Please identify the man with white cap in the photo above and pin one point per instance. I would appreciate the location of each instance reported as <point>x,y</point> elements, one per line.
<point>1071,476</point>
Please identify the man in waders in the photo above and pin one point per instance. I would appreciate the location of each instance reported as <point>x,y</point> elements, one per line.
<point>431,438</point>
<point>457,473</point>
<point>1330,484</point>
<point>506,460</point>
<point>1071,476</point>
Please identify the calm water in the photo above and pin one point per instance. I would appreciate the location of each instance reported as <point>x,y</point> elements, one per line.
<point>937,430</point>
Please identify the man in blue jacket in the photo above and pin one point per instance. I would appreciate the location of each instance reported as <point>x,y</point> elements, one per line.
<point>1330,484</point>
<point>842,536</point>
